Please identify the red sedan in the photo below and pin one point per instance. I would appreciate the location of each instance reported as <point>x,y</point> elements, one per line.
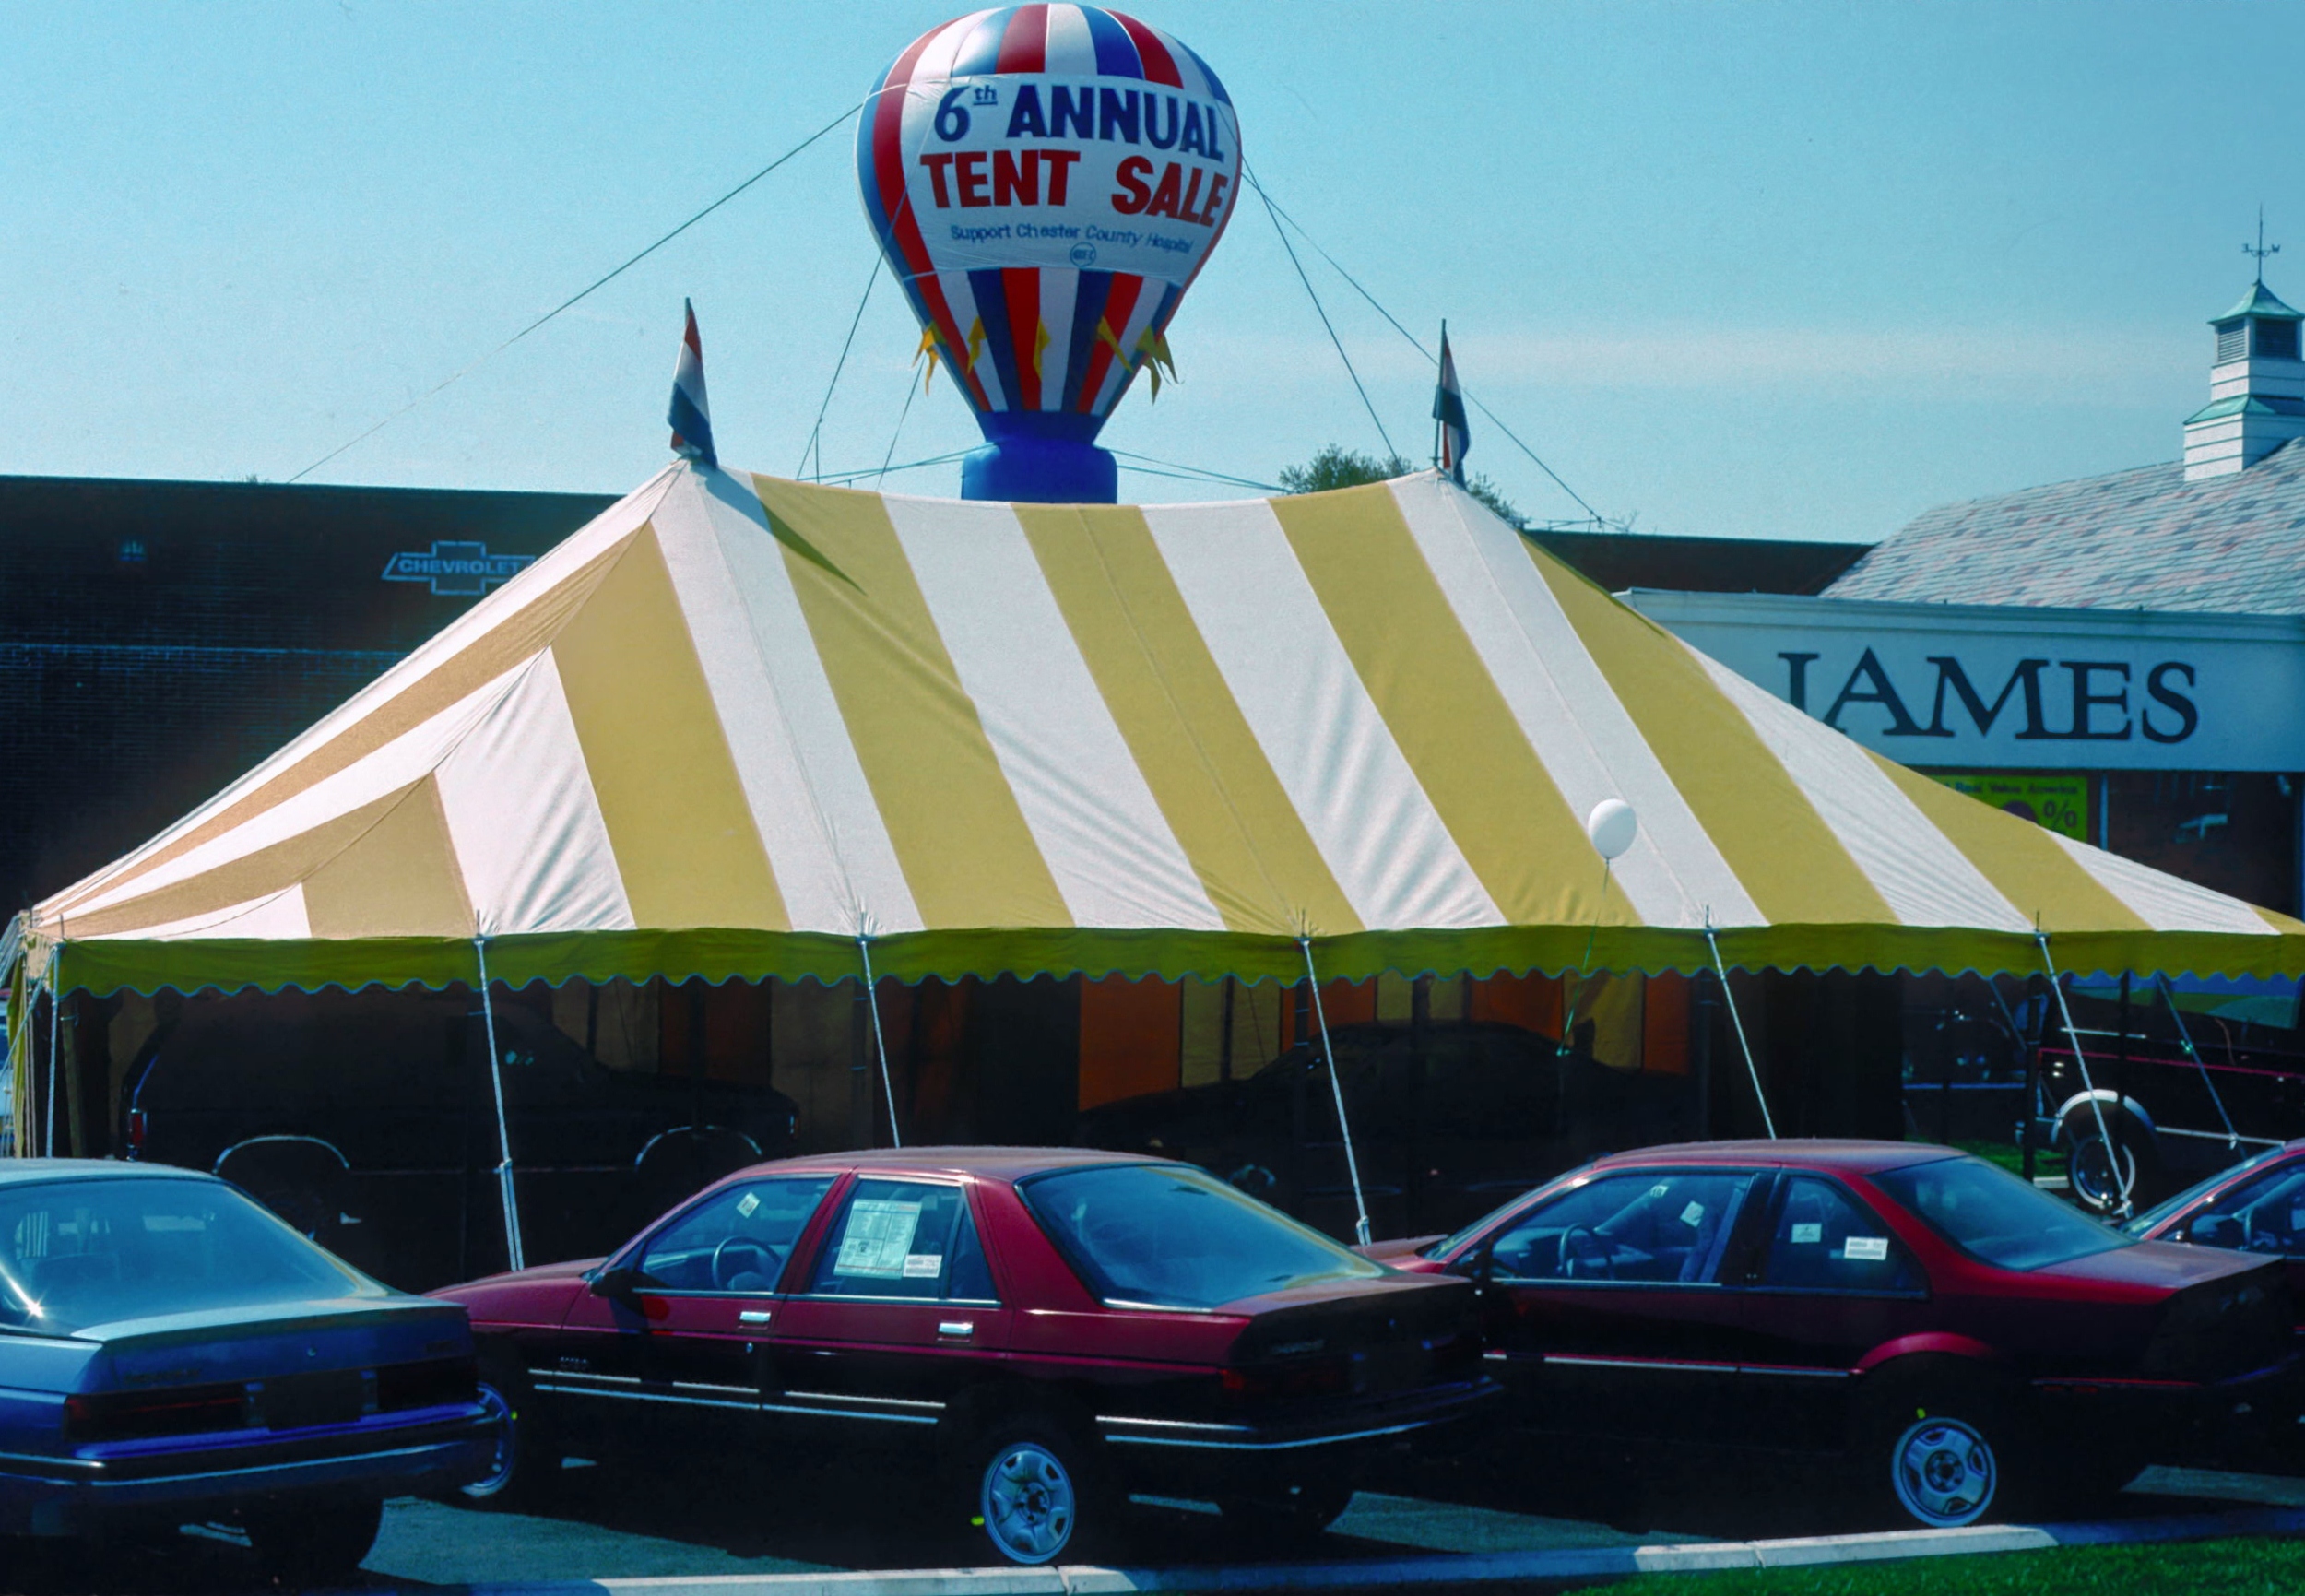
<point>1052,1328</point>
<point>1970,1343</point>
<point>2255,1207</point>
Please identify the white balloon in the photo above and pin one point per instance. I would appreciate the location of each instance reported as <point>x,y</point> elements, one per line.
<point>1613,826</point>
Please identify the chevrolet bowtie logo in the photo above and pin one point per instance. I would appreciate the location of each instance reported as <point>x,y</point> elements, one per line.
<point>456,570</point>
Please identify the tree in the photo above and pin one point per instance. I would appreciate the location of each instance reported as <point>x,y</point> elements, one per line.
<point>1338,467</point>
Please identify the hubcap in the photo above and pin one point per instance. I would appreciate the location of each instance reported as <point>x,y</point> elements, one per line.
<point>1028,1503</point>
<point>2103,1181</point>
<point>500,1414</point>
<point>1945,1472</point>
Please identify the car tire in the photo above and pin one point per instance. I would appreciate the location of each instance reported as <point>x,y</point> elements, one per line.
<point>1288,1518</point>
<point>1036,1493</point>
<point>2098,1183</point>
<point>525,1463</point>
<point>1939,1457</point>
<point>316,1544</point>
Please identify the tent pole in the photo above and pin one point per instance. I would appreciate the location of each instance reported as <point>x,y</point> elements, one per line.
<point>879,1041</point>
<point>1768,1121</point>
<point>2185,1034</point>
<point>503,1128</point>
<point>1328,1055</point>
<point>2097,1106</point>
<point>56,1010</point>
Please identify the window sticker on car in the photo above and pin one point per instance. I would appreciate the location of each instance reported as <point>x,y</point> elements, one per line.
<point>2297,1218</point>
<point>1867,1250</point>
<point>879,1239</point>
<point>1660,1188</point>
<point>923,1265</point>
<point>748,1205</point>
<point>1692,1213</point>
<point>1802,1234</point>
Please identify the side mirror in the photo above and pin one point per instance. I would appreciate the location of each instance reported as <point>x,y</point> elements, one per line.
<point>2215,1230</point>
<point>617,1284</point>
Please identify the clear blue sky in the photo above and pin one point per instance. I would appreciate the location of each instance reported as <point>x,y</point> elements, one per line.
<point>1779,270</point>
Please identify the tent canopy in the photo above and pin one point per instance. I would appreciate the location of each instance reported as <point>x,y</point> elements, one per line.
<point>737,723</point>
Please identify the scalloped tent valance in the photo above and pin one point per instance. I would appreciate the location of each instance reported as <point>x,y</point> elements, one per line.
<point>737,724</point>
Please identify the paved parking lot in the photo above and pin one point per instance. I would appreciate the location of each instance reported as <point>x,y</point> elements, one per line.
<point>764,1516</point>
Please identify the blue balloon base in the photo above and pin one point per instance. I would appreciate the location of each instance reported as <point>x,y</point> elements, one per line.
<point>1031,471</point>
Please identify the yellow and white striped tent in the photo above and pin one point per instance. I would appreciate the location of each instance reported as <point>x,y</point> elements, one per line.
<point>743,727</point>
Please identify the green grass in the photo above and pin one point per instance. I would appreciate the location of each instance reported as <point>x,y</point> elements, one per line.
<point>2230,1567</point>
<point>2012,1158</point>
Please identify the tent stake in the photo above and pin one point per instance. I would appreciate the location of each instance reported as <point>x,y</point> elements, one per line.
<point>503,1130</point>
<point>1768,1121</point>
<point>1328,1055</point>
<point>2097,1106</point>
<point>880,1042</point>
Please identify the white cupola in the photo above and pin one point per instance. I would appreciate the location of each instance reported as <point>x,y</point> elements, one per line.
<point>2256,388</point>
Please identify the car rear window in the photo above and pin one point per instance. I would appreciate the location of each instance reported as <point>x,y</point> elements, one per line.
<point>1995,1216</point>
<point>74,1253</point>
<point>1166,1235</point>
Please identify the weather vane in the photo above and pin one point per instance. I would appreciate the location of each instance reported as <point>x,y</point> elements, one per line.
<point>2262,249</point>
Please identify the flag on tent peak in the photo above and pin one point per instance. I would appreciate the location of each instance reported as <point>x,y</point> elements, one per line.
<point>691,416</point>
<point>1449,409</point>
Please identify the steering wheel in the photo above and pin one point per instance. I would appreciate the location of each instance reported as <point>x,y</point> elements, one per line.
<point>1589,1258</point>
<point>725,1268</point>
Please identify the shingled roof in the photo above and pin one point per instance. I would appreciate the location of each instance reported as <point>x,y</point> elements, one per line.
<point>2139,540</point>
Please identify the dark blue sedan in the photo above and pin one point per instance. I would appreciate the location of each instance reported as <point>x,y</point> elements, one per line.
<point>172,1353</point>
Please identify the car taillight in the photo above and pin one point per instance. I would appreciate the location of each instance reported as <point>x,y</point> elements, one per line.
<point>140,1415</point>
<point>1327,1378</point>
<point>136,1129</point>
<point>436,1383</point>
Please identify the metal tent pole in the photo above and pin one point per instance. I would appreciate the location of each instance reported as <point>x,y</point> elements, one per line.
<point>56,1010</point>
<point>512,1254</point>
<point>1768,1121</point>
<point>1328,1054</point>
<point>2081,1058</point>
<point>879,1039</point>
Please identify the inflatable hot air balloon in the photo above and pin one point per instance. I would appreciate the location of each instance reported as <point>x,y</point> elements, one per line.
<point>1047,181</point>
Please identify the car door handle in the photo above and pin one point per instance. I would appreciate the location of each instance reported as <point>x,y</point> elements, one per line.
<point>958,1328</point>
<point>753,1315</point>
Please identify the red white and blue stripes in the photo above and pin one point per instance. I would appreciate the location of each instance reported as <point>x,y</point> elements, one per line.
<point>1067,333</point>
<point>691,416</point>
<point>1448,412</point>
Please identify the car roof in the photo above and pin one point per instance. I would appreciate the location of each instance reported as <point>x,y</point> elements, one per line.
<point>996,1163</point>
<point>17,1171</point>
<point>1790,1152</point>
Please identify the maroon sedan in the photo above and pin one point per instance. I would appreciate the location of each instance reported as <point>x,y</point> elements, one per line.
<point>1971,1344</point>
<point>2257,1207</point>
<point>1052,1328</point>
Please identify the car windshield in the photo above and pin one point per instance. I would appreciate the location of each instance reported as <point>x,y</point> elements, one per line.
<point>2162,1211</point>
<point>1170,1236</point>
<point>74,1253</point>
<point>1995,1216</point>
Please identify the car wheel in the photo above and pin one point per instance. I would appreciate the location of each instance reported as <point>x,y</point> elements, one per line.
<point>315,1543</point>
<point>1288,1518</point>
<point>1941,1462</point>
<point>524,1464</point>
<point>2106,1182</point>
<point>1036,1493</point>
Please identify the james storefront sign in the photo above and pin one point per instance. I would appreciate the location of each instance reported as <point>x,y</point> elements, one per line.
<point>1970,686</point>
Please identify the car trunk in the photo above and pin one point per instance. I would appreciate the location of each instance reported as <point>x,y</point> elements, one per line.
<point>281,1366</point>
<point>1394,1336</point>
<point>2223,1327</point>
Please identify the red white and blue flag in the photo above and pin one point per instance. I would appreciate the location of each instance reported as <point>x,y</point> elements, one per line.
<point>691,416</point>
<point>1449,409</point>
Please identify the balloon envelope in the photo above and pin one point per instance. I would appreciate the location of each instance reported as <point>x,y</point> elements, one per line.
<point>1613,826</point>
<point>1046,182</point>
